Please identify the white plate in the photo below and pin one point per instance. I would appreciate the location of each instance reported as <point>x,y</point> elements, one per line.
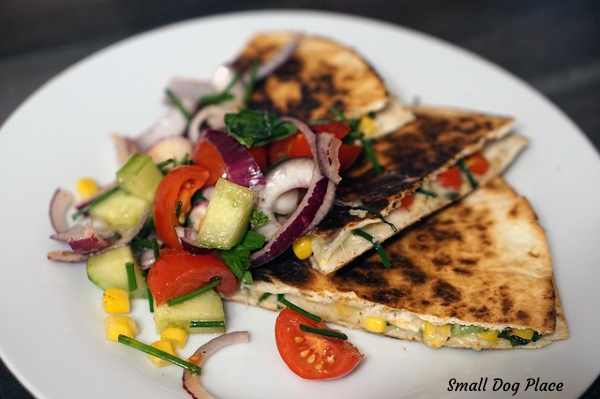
<point>51,334</point>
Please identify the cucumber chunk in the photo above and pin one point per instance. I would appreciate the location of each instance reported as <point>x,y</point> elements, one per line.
<point>207,306</point>
<point>121,211</point>
<point>227,215</point>
<point>140,177</point>
<point>458,330</point>
<point>107,270</point>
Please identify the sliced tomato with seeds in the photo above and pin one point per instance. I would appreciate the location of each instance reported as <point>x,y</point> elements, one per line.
<point>451,178</point>
<point>313,356</point>
<point>478,164</point>
<point>206,155</point>
<point>177,273</point>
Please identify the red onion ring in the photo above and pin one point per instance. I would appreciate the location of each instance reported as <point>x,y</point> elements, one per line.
<point>329,159</point>
<point>124,147</point>
<point>83,239</point>
<point>191,382</point>
<point>241,166</point>
<point>59,206</point>
<point>280,57</point>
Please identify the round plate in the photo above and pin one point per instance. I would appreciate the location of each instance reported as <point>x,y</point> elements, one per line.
<point>52,321</point>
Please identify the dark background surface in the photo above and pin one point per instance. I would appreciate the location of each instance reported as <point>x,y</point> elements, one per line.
<point>553,45</point>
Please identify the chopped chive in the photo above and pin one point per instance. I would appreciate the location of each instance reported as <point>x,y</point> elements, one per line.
<point>338,114</point>
<point>472,181</point>
<point>375,212</point>
<point>131,281</point>
<point>371,155</point>
<point>218,98</point>
<point>264,296</point>
<point>324,332</point>
<point>249,87</point>
<point>95,202</point>
<point>150,300</point>
<point>151,350</point>
<point>207,324</point>
<point>385,259</point>
<point>164,165</point>
<point>206,287</point>
<point>427,193</point>
<point>178,104</point>
<point>298,309</point>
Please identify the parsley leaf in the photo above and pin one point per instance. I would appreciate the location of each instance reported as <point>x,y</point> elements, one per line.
<point>258,219</point>
<point>253,128</point>
<point>238,257</point>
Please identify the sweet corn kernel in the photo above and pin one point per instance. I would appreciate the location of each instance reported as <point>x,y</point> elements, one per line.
<point>87,187</point>
<point>374,324</point>
<point>116,300</point>
<point>344,311</point>
<point>367,126</point>
<point>178,336</point>
<point>435,335</point>
<point>119,325</point>
<point>303,247</point>
<point>490,335</point>
<point>165,346</point>
<point>525,333</point>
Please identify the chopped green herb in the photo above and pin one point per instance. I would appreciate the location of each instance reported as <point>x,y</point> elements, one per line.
<point>258,219</point>
<point>206,287</point>
<point>151,350</point>
<point>324,332</point>
<point>165,165</point>
<point>150,300</point>
<point>95,202</point>
<point>427,193</point>
<point>338,114</point>
<point>255,128</point>
<point>536,336</point>
<point>465,169</point>
<point>377,213</point>
<point>176,101</point>
<point>385,259</point>
<point>249,87</point>
<point>138,244</point>
<point>298,309</point>
<point>371,155</point>
<point>218,98</point>
<point>131,281</point>
<point>514,340</point>
<point>238,257</point>
<point>207,324</point>
<point>264,296</point>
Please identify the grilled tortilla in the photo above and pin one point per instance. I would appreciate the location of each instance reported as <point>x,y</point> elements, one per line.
<point>411,157</point>
<point>481,262</point>
<point>320,75</point>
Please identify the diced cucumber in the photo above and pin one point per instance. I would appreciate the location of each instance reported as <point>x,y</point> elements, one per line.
<point>207,306</point>
<point>121,211</point>
<point>458,330</point>
<point>140,177</point>
<point>227,216</point>
<point>107,270</point>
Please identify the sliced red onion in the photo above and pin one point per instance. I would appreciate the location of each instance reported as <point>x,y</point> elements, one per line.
<point>241,166</point>
<point>83,239</point>
<point>173,123</point>
<point>59,206</point>
<point>124,147</point>
<point>187,236</point>
<point>191,382</point>
<point>280,57</point>
<point>174,147</point>
<point>190,90</point>
<point>212,115</point>
<point>312,207</point>
<point>86,202</point>
<point>329,160</point>
<point>66,257</point>
<point>287,176</point>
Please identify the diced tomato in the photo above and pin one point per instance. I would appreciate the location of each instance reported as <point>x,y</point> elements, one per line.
<point>348,155</point>
<point>260,156</point>
<point>278,150</point>
<point>338,129</point>
<point>177,273</point>
<point>206,155</point>
<point>407,200</point>
<point>478,164</point>
<point>451,178</point>
<point>179,185</point>
<point>312,356</point>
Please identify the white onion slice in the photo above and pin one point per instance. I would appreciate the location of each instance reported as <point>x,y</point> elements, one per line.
<point>66,257</point>
<point>191,382</point>
<point>59,206</point>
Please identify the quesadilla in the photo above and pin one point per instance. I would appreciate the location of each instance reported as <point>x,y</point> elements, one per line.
<point>426,166</point>
<point>476,275</point>
<point>319,76</point>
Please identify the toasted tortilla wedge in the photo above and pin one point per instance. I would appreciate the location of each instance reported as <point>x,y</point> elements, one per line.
<point>321,75</point>
<point>481,262</point>
<point>411,157</point>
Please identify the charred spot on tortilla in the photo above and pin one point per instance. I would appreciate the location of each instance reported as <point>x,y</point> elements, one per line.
<point>359,273</point>
<point>446,292</point>
<point>288,269</point>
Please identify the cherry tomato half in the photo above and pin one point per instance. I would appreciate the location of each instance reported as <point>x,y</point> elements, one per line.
<point>177,273</point>
<point>206,155</point>
<point>450,178</point>
<point>478,164</point>
<point>179,185</point>
<point>312,356</point>
<point>407,200</point>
